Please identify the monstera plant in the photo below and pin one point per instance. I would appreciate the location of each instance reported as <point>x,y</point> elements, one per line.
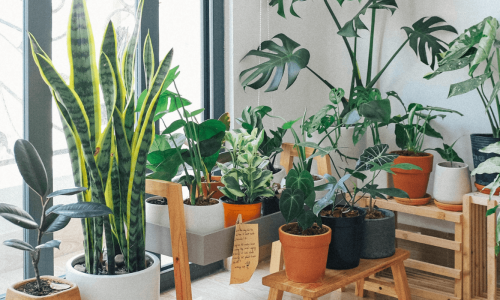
<point>363,98</point>
<point>111,161</point>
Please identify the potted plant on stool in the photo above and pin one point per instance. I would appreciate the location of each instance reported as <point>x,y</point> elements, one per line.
<point>53,219</point>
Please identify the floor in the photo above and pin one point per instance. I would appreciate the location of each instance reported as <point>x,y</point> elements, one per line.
<point>216,287</point>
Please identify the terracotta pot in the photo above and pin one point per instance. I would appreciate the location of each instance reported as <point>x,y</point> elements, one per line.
<point>248,212</point>
<point>413,182</point>
<point>213,187</point>
<point>72,293</point>
<point>305,256</point>
<point>481,188</point>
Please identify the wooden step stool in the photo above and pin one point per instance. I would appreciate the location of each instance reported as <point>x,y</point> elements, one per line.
<point>336,279</point>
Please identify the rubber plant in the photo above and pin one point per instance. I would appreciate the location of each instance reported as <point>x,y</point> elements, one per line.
<point>245,179</point>
<point>363,98</point>
<point>53,218</point>
<point>476,46</point>
<point>111,161</point>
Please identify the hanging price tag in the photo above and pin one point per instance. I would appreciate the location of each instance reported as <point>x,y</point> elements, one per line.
<point>245,252</point>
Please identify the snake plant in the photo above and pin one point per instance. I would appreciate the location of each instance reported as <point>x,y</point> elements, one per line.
<point>109,161</point>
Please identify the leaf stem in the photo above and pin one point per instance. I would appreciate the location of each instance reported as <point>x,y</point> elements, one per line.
<point>372,83</point>
<point>370,53</point>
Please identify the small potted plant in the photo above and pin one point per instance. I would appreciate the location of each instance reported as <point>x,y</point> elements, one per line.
<point>53,219</point>
<point>451,179</point>
<point>246,180</point>
<point>410,131</point>
<point>306,241</point>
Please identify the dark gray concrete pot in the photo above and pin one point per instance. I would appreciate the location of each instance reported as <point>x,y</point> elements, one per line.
<point>379,238</point>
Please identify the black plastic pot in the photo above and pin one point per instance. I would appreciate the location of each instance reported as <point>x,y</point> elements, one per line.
<point>379,236</point>
<point>478,142</point>
<point>270,205</point>
<point>347,238</point>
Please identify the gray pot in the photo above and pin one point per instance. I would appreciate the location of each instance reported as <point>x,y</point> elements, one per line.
<point>379,239</point>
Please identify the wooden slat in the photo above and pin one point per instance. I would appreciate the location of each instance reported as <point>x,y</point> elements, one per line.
<point>286,159</point>
<point>428,240</point>
<point>386,287</point>
<point>466,280</point>
<point>491,257</point>
<point>458,260</point>
<point>289,152</point>
<point>432,268</point>
<point>275,294</point>
<point>359,291</point>
<point>401,281</point>
<point>380,287</point>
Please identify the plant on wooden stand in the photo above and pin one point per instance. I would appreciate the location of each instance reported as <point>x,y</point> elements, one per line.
<point>53,218</point>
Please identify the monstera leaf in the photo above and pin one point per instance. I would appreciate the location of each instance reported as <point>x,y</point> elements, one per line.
<point>420,38</point>
<point>278,56</point>
<point>281,7</point>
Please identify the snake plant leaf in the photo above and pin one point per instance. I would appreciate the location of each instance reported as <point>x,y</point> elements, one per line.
<point>31,167</point>
<point>140,100</point>
<point>490,166</point>
<point>291,203</point>
<point>467,85</point>
<point>110,49</point>
<point>18,244</point>
<point>128,60</point>
<point>17,216</point>
<point>304,182</point>
<point>148,59</point>
<point>49,244</point>
<point>278,57</point>
<point>83,210</point>
<point>67,192</point>
<point>451,66</point>
<point>54,222</point>
<point>420,38</point>
<point>108,84</point>
<point>84,77</point>
<point>376,154</point>
<point>378,111</point>
<point>103,151</point>
<point>485,44</point>
<point>307,219</point>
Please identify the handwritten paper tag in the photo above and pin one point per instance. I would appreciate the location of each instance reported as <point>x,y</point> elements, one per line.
<point>245,252</point>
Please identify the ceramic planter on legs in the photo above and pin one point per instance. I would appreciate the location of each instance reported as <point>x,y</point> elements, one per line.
<point>450,184</point>
<point>379,236</point>
<point>305,256</point>
<point>413,182</point>
<point>72,293</point>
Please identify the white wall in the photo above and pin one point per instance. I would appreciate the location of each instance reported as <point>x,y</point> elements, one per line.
<point>249,22</point>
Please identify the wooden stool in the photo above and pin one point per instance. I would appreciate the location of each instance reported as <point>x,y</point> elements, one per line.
<point>336,279</point>
<point>286,160</point>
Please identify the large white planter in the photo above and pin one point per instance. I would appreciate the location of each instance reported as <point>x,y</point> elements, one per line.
<point>204,219</point>
<point>450,184</point>
<point>320,194</point>
<point>144,284</point>
<point>157,214</point>
<point>278,176</point>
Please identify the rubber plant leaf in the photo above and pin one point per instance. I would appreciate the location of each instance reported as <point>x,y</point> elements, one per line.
<point>67,192</point>
<point>54,222</point>
<point>278,56</point>
<point>18,244</point>
<point>420,38</point>
<point>83,210</point>
<point>31,167</point>
<point>49,244</point>
<point>17,216</point>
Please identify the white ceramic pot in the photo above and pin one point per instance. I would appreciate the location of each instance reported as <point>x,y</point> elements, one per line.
<point>320,194</point>
<point>204,219</point>
<point>157,214</point>
<point>144,284</point>
<point>277,177</point>
<point>450,184</point>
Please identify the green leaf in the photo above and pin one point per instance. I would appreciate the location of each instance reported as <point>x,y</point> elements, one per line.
<point>18,244</point>
<point>491,210</point>
<point>148,61</point>
<point>289,124</point>
<point>291,204</point>
<point>401,137</point>
<point>304,182</point>
<point>176,102</point>
<point>348,29</point>
<point>278,57</point>
<point>140,101</point>
<point>393,192</point>
<point>307,219</point>
<point>281,7</point>
<point>375,155</point>
<point>406,166</point>
<point>452,65</point>
<point>492,148</point>
<point>83,210</point>
<point>49,244</point>
<point>494,94</point>
<point>420,38</point>
<point>484,46</point>
<point>467,85</point>
<point>17,216</point>
<point>54,222</point>
<point>378,111</point>
<point>351,117</point>
<point>31,167</point>
<point>196,112</point>
<point>490,166</point>
<point>67,192</point>
<point>176,125</point>
<point>390,5</point>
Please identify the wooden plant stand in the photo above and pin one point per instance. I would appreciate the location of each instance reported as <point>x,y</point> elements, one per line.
<point>286,160</point>
<point>480,265</point>
<point>336,279</point>
<point>386,287</point>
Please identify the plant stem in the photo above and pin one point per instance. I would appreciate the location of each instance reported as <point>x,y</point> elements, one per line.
<point>323,80</point>
<point>370,53</point>
<point>493,129</point>
<point>372,83</point>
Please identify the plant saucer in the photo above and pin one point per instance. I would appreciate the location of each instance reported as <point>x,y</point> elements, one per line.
<point>449,207</point>
<point>480,188</point>
<point>414,201</point>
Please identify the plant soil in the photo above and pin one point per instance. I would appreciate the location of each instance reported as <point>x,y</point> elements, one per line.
<point>31,288</point>
<point>202,200</point>
<point>316,178</point>
<point>296,230</point>
<point>337,213</point>
<point>162,201</point>
<point>409,153</point>
<point>374,214</point>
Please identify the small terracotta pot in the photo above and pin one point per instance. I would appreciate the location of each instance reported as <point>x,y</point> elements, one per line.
<point>481,188</point>
<point>413,182</point>
<point>248,212</point>
<point>305,256</point>
<point>72,293</point>
<point>213,187</point>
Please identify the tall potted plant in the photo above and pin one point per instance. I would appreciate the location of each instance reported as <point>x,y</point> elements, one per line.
<point>476,47</point>
<point>111,163</point>
<point>53,219</point>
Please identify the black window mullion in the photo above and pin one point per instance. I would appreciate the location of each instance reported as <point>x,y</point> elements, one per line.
<point>217,102</point>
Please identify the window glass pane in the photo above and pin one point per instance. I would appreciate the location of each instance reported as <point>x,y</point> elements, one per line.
<point>122,13</point>
<point>11,129</point>
<point>175,14</point>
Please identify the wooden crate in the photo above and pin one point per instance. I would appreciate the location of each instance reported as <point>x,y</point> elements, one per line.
<point>480,273</point>
<point>385,286</point>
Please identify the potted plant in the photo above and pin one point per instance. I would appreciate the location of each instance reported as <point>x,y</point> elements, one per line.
<point>359,232</point>
<point>111,163</point>
<point>53,219</point>
<point>246,181</point>
<point>474,48</point>
<point>451,179</point>
<point>410,132</point>
<point>305,242</point>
